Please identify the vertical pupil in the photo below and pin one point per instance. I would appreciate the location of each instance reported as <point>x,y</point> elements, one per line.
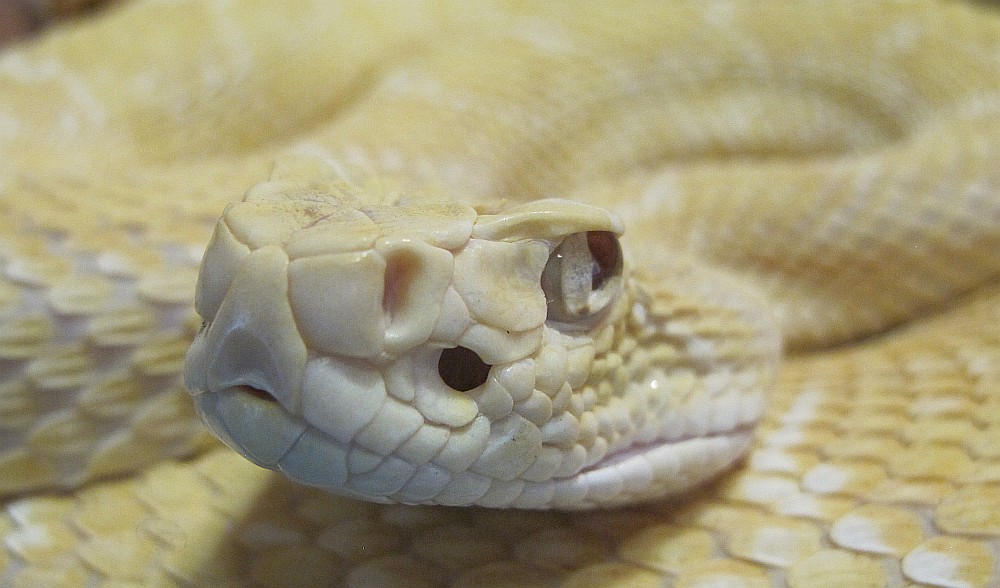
<point>596,275</point>
<point>605,257</point>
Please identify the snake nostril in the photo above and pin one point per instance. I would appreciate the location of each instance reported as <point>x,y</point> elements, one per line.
<point>462,369</point>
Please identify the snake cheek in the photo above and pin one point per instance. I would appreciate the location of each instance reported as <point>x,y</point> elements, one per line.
<point>341,396</point>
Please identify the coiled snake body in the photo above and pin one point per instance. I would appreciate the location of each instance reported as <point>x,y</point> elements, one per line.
<point>422,299</point>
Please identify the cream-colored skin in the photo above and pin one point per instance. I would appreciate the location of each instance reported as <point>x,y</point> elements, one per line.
<point>808,172</point>
<point>329,311</point>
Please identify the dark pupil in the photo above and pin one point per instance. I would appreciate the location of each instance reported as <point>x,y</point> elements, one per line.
<point>606,257</point>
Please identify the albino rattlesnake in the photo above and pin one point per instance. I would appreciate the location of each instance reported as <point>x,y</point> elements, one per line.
<point>832,164</point>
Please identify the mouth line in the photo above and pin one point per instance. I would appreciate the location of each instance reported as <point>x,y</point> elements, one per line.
<point>253,391</point>
<point>637,450</point>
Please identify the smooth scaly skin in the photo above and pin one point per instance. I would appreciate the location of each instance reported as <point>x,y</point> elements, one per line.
<point>840,164</point>
<point>338,302</point>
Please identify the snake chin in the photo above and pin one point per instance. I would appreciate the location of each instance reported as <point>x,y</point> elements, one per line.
<point>252,422</point>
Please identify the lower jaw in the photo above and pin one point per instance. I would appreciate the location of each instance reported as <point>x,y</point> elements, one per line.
<point>261,430</point>
<point>651,472</point>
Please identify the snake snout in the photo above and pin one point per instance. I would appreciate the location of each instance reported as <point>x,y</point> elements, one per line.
<point>462,369</point>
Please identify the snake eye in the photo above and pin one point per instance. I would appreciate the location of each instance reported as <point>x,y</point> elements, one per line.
<point>582,278</point>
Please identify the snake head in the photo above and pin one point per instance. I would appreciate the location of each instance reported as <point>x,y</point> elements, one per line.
<point>413,349</point>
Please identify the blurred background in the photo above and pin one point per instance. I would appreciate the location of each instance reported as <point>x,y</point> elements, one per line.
<point>23,18</point>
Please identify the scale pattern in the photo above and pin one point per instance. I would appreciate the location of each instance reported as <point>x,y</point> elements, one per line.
<point>878,462</point>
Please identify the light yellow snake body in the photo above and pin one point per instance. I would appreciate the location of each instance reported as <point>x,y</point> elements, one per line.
<point>433,177</point>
